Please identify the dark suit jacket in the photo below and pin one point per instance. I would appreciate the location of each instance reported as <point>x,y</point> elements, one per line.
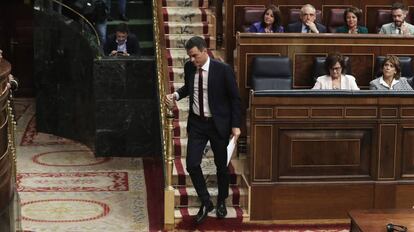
<point>223,95</point>
<point>297,27</point>
<point>132,45</point>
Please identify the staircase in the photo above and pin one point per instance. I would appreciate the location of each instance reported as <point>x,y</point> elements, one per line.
<point>182,20</point>
<point>140,23</point>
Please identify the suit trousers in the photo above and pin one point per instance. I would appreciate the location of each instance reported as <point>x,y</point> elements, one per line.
<point>200,132</point>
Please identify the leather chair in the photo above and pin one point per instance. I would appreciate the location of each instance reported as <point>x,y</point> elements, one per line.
<point>411,81</point>
<point>319,67</point>
<point>383,17</point>
<point>271,73</point>
<point>294,15</point>
<point>335,19</point>
<point>405,63</point>
<point>249,16</point>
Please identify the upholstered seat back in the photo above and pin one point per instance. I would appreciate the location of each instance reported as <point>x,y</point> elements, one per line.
<point>319,67</point>
<point>271,73</point>
<point>383,17</point>
<point>335,19</point>
<point>249,16</point>
<point>405,63</point>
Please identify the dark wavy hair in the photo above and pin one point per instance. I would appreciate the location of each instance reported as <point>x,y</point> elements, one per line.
<point>356,11</point>
<point>277,16</point>
<point>394,61</point>
<point>332,59</point>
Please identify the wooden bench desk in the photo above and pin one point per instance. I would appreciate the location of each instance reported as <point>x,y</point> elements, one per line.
<point>376,220</point>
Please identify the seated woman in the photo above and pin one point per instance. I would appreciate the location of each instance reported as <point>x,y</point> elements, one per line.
<point>390,79</point>
<point>271,21</point>
<point>351,17</point>
<point>335,66</point>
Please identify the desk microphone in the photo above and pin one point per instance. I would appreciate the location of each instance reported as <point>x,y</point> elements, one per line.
<point>399,228</point>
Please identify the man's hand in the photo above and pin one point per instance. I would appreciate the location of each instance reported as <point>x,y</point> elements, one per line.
<point>113,53</point>
<point>235,132</point>
<point>404,29</point>
<point>169,100</point>
<point>312,26</point>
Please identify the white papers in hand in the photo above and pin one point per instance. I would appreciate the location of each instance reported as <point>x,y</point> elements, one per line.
<point>230,149</point>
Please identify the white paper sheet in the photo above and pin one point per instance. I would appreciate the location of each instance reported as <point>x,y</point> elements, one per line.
<point>230,149</point>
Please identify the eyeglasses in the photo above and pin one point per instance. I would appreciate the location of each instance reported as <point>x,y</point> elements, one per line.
<point>336,68</point>
<point>392,227</point>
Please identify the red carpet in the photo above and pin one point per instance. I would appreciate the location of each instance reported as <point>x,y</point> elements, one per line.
<point>154,179</point>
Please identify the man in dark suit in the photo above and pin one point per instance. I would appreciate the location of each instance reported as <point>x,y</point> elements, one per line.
<point>122,43</point>
<point>307,23</point>
<point>214,116</point>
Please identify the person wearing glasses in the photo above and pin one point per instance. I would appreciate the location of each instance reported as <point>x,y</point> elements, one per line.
<point>307,22</point>
<point>337,79</point>
<point>399,25</point>
<point>391,76</point>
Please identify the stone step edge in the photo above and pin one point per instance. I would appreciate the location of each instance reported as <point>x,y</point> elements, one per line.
<point>232,212</point>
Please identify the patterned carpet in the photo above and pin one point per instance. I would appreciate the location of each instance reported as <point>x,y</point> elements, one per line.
<point>63,187</point>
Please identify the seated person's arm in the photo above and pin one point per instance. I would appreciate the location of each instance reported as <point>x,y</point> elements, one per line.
<point>317,85</point>
<point>372,86</point>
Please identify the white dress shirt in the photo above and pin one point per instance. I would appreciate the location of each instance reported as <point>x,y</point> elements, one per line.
<point>385,84</point>
<point>196,110</point>
<point>347,82</point>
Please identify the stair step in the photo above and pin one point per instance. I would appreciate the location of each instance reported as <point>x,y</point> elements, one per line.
<point>178,40</point>
<point>181,178</point>
<point>187,196</point>
<point>232,212</point>
<point>186,14</point>
<point>180,147</point>
<point>176,74</point>
<point>177,57</point>
<point>185,3</point>
<point>188,28</point>
<point>180,128</point>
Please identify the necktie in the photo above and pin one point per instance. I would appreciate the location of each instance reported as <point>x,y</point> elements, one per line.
<point>308,30</point>
<point>399,30</point>
<point>200,92</point>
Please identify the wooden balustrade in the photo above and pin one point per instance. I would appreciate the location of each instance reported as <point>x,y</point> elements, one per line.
<point>9,208</point>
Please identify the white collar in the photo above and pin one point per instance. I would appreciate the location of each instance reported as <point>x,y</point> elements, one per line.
<point>394,81</point>
<point>206,65</point>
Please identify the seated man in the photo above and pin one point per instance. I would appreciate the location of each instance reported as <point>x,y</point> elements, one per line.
<point>122,43</point>
<point>307,23</point>
<point>399,25</point>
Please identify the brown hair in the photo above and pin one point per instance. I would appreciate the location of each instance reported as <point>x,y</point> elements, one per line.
<point>356,11</point>
<point>332,59</point>
<point>277,16</point>
<point>394,61</point>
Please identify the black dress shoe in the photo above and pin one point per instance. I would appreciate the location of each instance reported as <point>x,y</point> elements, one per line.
<point>203,212</point>
<point>123,18</point>
<point>221,210</point>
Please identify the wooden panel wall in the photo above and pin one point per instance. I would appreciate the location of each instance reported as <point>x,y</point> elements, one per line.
<point>325,155</point>
<point>234,8</point>
<point>362,50</point>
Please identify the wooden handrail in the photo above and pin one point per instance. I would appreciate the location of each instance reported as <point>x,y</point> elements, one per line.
<point>166,114</point>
